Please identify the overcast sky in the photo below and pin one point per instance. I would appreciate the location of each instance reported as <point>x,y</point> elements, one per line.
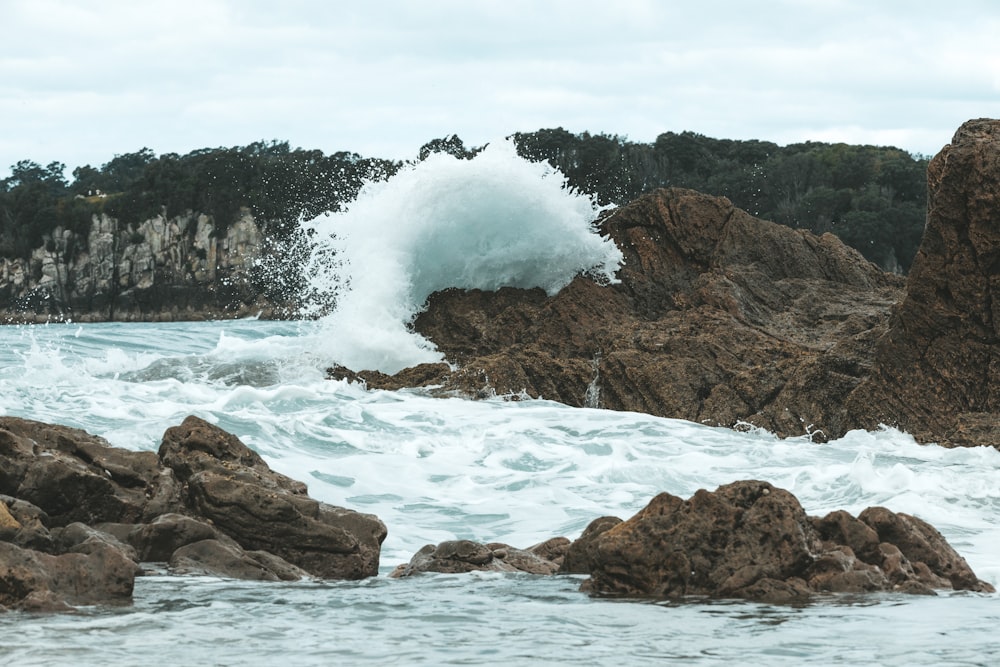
<point>84,80</point>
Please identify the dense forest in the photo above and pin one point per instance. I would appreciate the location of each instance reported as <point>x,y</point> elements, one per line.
<point>871,197</point>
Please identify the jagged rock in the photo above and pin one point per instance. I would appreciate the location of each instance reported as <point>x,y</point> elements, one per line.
<point>37,581</point>
<point>28,529</point>
<point>937,370</point>
<point>69,501</point>
<point>577,557</point>
<point>161,537</point>
<point>553,549</point>
<point>74,476</point>
<point>719,318</point>
<point>460,556</point>
<point>81,538</point>
<point>230,485</point>
<point>752,540</point>
<point>228,559</point>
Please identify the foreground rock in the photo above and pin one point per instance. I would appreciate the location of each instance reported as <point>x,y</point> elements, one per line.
<point>724,319</point>
<point>77,516</point>
<point>752,540</point>
<point>937,371</point>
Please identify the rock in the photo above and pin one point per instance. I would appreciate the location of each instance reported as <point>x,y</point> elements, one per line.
<point>30,531</point>
<point>37,581</point>
<point>461,556</point>
<point>577,558</point>
<point>227,559</point>
<point>161,537</point>
<point>74,476</point>
<point>553,550</point>
<point>724,319</point>
<point>231,486</point>
<point>752,540</point>
<point>70,502</point>
<point>159,269</point>
<point>80,538</point>
<point>936,372</point>
<point>719,318</point>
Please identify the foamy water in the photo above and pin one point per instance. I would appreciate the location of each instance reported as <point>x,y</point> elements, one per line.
<point>494,221</point>
<point>436,469</point>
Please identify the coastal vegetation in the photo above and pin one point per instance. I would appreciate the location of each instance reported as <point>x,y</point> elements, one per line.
<point>872,197</point>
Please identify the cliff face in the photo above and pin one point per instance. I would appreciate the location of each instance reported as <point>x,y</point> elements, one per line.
<point>159,270</point>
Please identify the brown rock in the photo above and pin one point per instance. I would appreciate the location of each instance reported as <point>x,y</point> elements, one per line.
<point>75,476</point>
<point>578,554</point>
<point>718,318</point>
<point>227,559</point>
<point>42,582</point>
<point>921,543</point>
<point>937,370</point>
<point>752,540</point>
<point>231,486</point>
<point>461,556</point>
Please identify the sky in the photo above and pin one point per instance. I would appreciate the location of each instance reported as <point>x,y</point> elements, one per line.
<point>84,80</point>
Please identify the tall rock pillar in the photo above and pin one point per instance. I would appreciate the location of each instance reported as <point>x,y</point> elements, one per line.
<point>937,370</point>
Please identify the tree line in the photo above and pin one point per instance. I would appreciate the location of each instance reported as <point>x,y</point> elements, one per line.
<point>871,197</point>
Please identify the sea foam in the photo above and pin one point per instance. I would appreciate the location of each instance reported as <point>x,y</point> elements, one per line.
<point>494,221</point>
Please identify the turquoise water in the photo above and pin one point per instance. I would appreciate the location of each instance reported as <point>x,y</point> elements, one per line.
<point>436,469</point>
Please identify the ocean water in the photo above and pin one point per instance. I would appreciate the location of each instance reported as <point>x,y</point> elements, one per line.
<point>435,469</point>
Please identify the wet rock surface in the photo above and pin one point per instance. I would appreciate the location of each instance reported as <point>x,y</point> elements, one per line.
<point>725,319</point>
<point>937,370</point>
<point>460,556</point>
<point>752,540</point>
<point>78,516</point>
<point>719,318</point>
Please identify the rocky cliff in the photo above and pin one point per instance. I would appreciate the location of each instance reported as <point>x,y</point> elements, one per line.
<point>161,269</point>
<point>719,318</point>
<point>725,319</point>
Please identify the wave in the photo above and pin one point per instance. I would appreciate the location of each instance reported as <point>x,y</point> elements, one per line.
<point>494,221</point>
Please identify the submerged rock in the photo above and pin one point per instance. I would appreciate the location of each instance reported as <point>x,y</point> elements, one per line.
<point>460,556</point>
<point>752,540</point>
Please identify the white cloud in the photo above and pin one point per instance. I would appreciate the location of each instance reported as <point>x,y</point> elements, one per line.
<point>81,82</point>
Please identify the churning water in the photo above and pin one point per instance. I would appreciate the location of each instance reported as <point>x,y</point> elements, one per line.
<point>435,469</point>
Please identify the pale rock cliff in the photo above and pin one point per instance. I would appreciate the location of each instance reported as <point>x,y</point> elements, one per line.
<point>161,269</point>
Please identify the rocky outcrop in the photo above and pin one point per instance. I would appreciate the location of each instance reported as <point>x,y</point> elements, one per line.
<point>937,370</point>
<point>160,269</point>
<point>719,318</point>
<point>460,556</point>
<point>724,319</point>
<point>73,507</point>
<point>752,540</point>
<point>231,486</point>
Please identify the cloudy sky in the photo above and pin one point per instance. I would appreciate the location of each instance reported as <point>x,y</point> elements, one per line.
<point>84,80</point>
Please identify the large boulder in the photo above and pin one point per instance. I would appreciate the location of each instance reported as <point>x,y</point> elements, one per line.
<point>229,484</point>
<point>752,540</point>
<point>718,318</point>
<point>937,370</point>
<point>77,516</point>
